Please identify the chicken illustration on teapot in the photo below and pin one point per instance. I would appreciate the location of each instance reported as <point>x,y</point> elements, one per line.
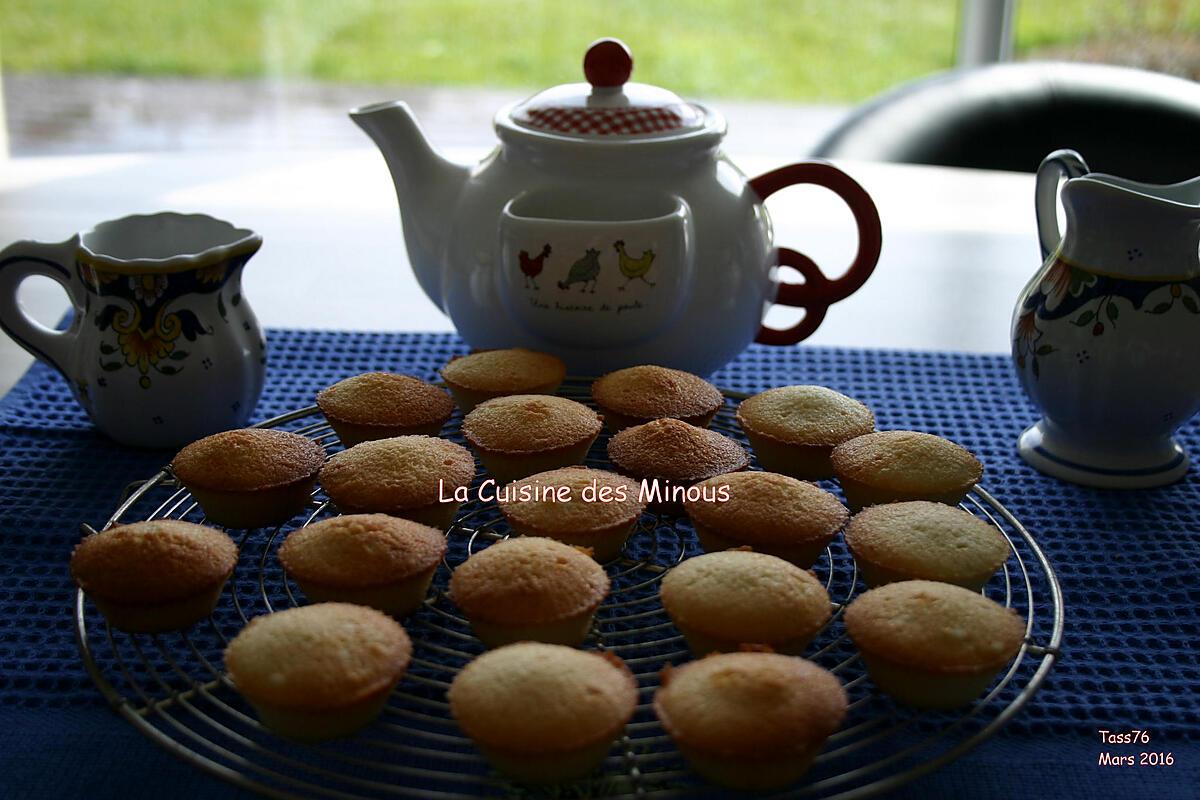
<point>633,268</point>
<point>531,266</point>
<point>586,270</point>
<point>657,247</point>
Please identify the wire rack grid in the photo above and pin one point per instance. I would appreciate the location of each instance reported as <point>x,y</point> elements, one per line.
<point>173,688</point>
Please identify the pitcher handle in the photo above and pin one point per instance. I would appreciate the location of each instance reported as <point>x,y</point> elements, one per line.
<point>18,262</point>
<point>1054,166</point>
<point>817,292</point>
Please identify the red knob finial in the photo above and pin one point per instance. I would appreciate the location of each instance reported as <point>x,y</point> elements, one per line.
<point>608,63</point>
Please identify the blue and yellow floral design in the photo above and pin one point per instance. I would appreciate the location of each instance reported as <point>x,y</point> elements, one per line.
<point>148,288</point>
<point>140,311</point>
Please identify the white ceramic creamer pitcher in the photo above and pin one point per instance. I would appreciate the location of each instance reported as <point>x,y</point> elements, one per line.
<point>163,348</point>
<point>1106,337</point>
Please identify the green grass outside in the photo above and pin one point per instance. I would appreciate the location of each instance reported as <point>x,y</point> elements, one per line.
<point>811,50</point>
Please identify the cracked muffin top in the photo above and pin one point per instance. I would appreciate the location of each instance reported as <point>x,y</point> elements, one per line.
<point>530,423</point>
<point>398,473</point>
<point>651,392</point>
<point>805,415</point>
<point>675,451</point>
<point>386,400</point>
<point>508,371</point>
<point>247,460</point>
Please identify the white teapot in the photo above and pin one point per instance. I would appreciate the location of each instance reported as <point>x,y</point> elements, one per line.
<point>608,228</point>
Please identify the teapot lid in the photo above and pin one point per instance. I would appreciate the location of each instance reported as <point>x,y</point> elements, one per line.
<point>608,105</point>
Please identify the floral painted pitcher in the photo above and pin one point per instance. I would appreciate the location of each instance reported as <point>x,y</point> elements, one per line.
<point>1105,335</point>
<point>163,348</point>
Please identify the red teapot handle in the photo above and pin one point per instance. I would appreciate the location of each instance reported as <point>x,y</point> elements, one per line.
<point>817,292</point>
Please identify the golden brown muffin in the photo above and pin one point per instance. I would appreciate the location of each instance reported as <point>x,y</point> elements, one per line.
<point>406,476</point>
<point>636,395</point>
<point>380,405</point>
<point>252,477</point>
<point>321,671</point>
<point>600,512</point>
<point>524,434</point>
<point>477,377</point>
<point>672,455</point>
<point>750,721</point>
<point>924,540</point>
<point>543,713</point>
<point>793,429</point>
<point>720,601</point>
<point>367,559</point>
<point>792,519</point>
<point>154,576</point>
<point>890,466</point>
<point>932,645</point>
<point>529,588</point>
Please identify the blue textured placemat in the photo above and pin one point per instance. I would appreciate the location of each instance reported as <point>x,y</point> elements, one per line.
<point>1127,562</point>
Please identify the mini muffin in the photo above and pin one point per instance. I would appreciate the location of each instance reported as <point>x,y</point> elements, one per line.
<point>154,576</point>
<point>636,395</point>
<point>794,520</point>
<point>600,512</point>
<point>481,376</point>
<point>672,455</point>
<point>321,671</point>
<point>406,476</point>
<point>380,405</point>
<point>367,559</point>
<point>720,601</point>
<point>543,713</point>
<point>529,588</point>
<point>252,477</point>
<point>932,645</point>
<point>524,434</point>
<point>793,429</point>
<point>890,466</point>
<point>750,721</point>
<point>924,540</point>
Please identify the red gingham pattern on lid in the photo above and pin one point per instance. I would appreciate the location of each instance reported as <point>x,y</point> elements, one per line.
<point>604,121</point>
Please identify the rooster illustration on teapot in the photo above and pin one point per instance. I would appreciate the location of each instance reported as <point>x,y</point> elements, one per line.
<point>531,266</point>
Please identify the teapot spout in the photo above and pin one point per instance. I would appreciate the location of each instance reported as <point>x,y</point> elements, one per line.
<point>427,186</point>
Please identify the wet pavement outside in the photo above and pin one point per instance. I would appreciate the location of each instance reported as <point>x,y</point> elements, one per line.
<point>61,115</point>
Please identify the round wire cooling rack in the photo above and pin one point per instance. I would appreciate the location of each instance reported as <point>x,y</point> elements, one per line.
<point>173,687</point>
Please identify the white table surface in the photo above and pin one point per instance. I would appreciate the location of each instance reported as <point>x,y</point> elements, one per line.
<point>958,245</point>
